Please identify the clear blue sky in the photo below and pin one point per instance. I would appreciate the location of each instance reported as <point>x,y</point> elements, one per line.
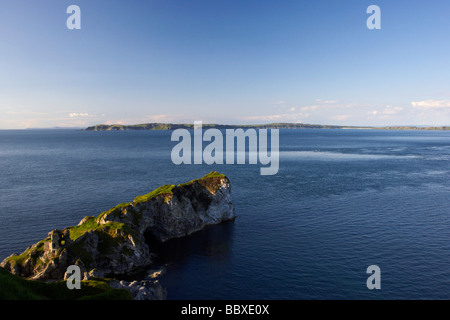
<point>233,61</point>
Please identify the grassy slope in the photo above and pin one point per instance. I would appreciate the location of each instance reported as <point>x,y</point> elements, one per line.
<point>15,288</point>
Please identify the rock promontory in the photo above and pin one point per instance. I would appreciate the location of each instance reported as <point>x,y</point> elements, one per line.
<point>116,241</point>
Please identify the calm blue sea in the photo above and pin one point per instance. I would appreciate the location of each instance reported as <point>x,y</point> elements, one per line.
<point>341,201</point>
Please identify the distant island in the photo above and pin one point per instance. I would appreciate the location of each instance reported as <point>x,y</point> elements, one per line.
<point>171,126</point>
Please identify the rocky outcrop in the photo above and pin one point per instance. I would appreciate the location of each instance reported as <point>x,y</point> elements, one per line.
<point>115,241</point>
<point>141,290</point>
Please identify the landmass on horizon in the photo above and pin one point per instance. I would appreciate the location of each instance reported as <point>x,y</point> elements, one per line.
<point>171,126</point>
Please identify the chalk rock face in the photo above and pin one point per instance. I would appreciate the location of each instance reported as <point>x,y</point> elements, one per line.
<point>115,241</point>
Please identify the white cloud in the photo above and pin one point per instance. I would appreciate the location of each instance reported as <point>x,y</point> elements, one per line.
<point>27,113</point>
<point>162,118</point>
<point>265,118</point>
<point>341,117</point>
<point>392,110</point>
<point>326,101</point>
<point>309,108</point>
<point>291,117</point>
<point>79,115</point>
<point>387,111</point>
<point>431,104</point>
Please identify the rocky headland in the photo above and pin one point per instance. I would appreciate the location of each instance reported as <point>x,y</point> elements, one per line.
<point>116,242</point>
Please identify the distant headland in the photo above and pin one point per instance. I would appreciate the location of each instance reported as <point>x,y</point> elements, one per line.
<point>171,126</point>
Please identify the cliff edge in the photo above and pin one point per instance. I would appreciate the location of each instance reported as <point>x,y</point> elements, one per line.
<point>114,242</point>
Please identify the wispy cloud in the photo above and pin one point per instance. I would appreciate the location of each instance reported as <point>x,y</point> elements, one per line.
<point>431,104</point>
<point>326,101</point>
<point>309,108</point>
<point>392,110</point>
<point>341,117</point>
<point>386,111</point>
<point>162,118</point>
<point>284,117</point>
<point>272,117</point>
<point>79,115</point>
<point>319,111</point>
<point>27,113</point>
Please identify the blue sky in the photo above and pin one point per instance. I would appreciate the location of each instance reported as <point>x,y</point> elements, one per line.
<point>218,61</point>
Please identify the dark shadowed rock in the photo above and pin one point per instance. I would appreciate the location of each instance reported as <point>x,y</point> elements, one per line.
<point>141,290</point>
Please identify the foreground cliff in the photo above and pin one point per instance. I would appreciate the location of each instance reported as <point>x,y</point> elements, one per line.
<point>115,241</point>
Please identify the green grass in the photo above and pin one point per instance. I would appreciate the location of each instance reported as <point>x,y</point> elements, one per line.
<point>110,235</point>
<point>166,189</point>
<point>117,211</point>
<point>111,228</point>
<point>212,174</point>
<point>77,231</point>
<point>16,288</point>
<point>20,259</point>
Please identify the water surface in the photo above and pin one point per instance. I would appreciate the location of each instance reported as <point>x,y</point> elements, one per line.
<point>341,201</point>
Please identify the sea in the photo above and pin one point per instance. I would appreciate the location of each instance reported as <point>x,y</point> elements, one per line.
<point>342,200</point>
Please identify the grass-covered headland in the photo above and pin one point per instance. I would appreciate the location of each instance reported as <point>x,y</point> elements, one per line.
<point>115,243</point>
